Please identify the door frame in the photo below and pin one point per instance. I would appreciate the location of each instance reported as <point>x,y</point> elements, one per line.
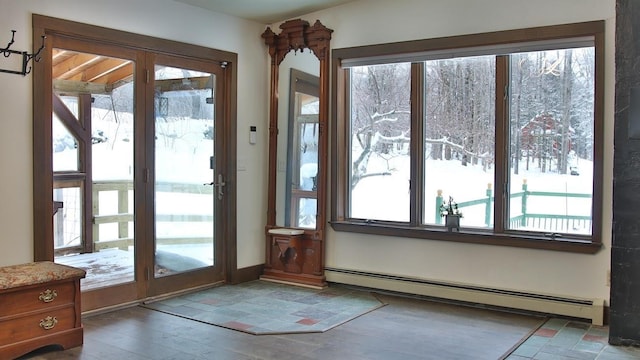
<point>43,207</point>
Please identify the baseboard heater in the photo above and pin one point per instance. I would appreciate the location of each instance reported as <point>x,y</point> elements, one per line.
<point>591,309</point>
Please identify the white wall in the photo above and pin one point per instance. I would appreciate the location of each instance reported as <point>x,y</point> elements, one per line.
<point>367,22</point>
<point>159,18</point>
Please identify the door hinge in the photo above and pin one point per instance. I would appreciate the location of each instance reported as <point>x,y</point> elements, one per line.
<point>146,76</point>
<point>145,175</point>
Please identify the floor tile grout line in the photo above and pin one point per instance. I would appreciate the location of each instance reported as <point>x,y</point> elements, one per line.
<point>524,338</point>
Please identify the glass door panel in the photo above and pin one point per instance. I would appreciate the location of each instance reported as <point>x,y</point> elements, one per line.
<point>185,193</point>
<point>92,130</point>
<point>67,219</point>
<point>65,147</point>
<point>113,184</point>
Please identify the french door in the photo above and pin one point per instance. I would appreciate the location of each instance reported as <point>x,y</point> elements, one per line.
<point>138,181</point>
<point>188,184</point>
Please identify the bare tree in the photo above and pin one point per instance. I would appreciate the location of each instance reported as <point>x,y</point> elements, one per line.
<point>380,114</point>
<point>548,91</point>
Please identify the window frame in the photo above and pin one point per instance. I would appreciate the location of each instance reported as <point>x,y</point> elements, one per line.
<point>499,234</point>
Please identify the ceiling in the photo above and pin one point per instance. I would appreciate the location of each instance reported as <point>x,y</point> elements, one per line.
<point>265,11</point>
<point>74,72</point>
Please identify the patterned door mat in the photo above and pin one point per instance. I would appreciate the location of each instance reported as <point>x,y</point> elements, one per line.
<point>262,307</point>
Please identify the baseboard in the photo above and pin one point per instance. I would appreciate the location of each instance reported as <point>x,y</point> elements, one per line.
<point>161,297</point>
<point>590,309</point>
<point>246,274</point>
<point>107,309</point>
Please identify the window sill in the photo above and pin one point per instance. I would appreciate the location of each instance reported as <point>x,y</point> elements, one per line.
<point>470,236</point>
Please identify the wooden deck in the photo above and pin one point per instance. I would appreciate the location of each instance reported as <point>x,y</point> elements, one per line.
<point>104,268</point>
<point>116,266</point>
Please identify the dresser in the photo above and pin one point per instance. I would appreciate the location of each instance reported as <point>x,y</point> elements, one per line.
<point>39,306</point>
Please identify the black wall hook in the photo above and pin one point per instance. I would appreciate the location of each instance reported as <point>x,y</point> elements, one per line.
<point>26,57</point>
<point>4,51</point>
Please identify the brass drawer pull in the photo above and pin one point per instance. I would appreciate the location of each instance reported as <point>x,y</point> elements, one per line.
<point>48,323</point>
<point>47,296</point>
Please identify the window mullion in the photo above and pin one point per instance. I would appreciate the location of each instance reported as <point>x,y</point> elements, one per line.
<point>417,144</point>
<point>340,130</point>
<point>501,205</point>
<point>343,139</point>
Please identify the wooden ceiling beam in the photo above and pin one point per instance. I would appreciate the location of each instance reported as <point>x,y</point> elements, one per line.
<point>194,83</point>
<point>73,66</point>
<point>117,76</point>
<point>100,71</point>
<point>72,87</point>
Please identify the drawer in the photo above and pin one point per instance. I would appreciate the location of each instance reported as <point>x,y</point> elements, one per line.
<point>29,327</point>
<point>36,298</point>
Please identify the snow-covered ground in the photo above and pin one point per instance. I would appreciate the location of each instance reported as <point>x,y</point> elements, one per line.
<point>387,197</point>
<point>182,154</point>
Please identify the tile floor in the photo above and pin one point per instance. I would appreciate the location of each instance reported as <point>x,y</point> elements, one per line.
<point>262,307</point>
<point>560,339</point>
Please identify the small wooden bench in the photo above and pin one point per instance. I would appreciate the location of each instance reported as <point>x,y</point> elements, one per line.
<point>39,306</point>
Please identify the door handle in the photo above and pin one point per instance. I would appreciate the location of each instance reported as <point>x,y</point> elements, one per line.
<point>218,185</point>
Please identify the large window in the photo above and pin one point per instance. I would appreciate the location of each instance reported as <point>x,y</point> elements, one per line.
<point>507,125</point>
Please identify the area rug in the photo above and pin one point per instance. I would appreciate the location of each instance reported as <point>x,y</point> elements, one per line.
<point>262,307</point>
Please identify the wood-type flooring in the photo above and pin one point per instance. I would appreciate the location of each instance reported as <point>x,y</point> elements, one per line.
<point>406,328</point>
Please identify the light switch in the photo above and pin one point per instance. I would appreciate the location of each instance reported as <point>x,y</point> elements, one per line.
<point>252,134</point>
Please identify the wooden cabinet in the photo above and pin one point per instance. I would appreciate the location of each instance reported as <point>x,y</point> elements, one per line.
<point>293,257</point>
<point>39,306</point>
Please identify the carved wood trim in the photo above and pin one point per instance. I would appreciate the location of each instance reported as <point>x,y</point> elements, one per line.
<point>298,35</point>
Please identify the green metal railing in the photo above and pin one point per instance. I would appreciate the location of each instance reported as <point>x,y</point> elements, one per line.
<point>550,222</point>
<point>487,200</point>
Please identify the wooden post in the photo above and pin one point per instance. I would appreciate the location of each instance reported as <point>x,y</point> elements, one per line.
<point>523,219</point>
<point>438,204</point>
<point>487,208</point>
<point>123,208</point>
<point>95,211</point>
